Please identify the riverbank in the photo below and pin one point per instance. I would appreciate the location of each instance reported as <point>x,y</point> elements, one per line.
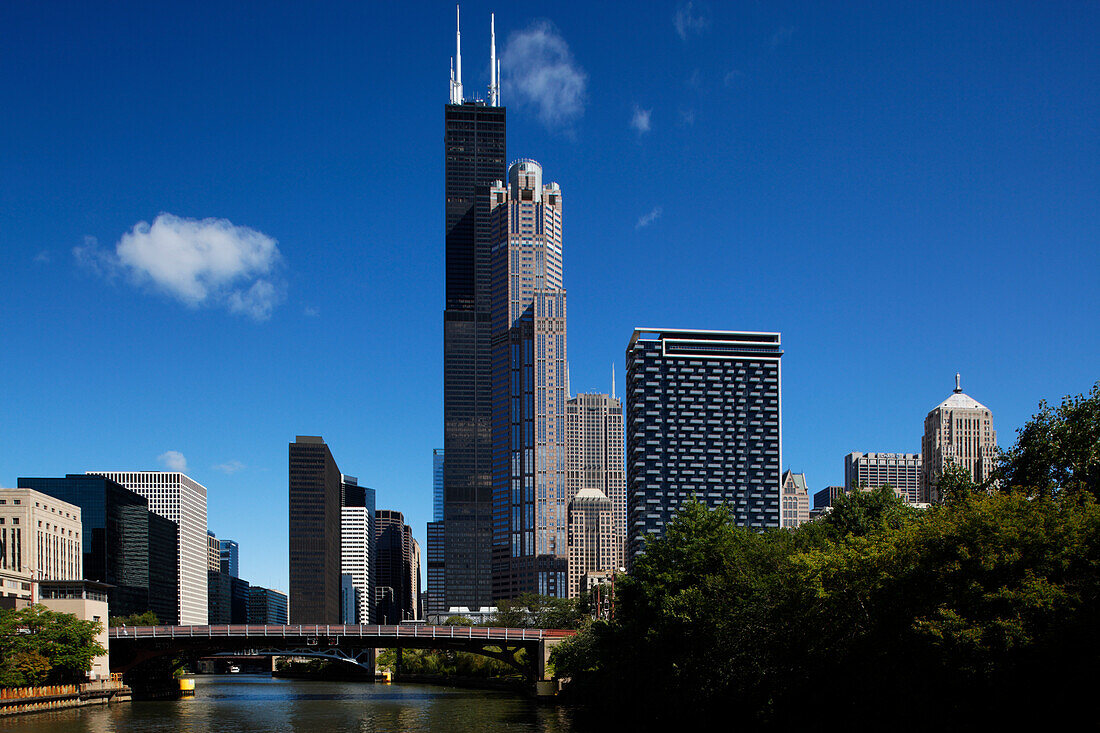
<point>20,700</point>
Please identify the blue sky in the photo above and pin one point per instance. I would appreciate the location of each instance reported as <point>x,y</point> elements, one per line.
<point>904,191</point>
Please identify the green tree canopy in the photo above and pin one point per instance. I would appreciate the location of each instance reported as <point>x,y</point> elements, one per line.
<point>1058,450</point>
<point>135,619</point>
<point>39,646</point>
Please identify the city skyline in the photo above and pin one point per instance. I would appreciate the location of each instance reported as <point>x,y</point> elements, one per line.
<point>945,159</point>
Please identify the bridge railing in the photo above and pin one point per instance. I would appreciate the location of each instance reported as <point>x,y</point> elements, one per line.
<point>334,630</point>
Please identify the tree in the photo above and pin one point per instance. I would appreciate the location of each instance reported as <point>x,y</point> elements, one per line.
<point>955,483</point>
<point>135,619</point>
<point>860,512</point>
<point>1058,450</point>
<point>39,646</point>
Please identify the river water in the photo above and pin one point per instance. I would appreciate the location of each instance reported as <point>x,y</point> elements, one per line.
<point>253,703</point>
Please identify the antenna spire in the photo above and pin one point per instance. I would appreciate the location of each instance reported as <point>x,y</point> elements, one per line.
<point>494,66</point>
<point>456,72</point>
<point>958,383</point>
<point>612,380</point>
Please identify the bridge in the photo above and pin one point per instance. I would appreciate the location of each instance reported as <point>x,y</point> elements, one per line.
<point>132,646</point>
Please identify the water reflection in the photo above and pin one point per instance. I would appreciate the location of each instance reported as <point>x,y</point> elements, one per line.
<point>255,704</point>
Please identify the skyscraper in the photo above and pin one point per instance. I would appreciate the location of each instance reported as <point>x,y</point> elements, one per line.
<point>229,558</point>
<point>959,430</point>
<point>703,421</point>
<point>182,500</point>
<point>594,457</point>
<point>315,489</point>
<point>394,586</point>
<point>592,545</point>
<point>474,146</point>
<point>872,470</point>
<point>125,545</point>
<point>434,596</point>
<point>530,526</point>
<point>357,546</point>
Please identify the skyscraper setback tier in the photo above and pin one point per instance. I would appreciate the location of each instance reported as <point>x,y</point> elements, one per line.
<point>530,525</point>
<point>594,458</point>
<point>703,421</point>
<point>474,148</point>
<point>315,488</point>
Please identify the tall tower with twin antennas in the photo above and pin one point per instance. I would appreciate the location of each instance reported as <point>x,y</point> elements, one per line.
<point>474,149</point>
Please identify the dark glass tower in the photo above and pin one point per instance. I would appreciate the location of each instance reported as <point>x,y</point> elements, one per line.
<point>125,545</point>
<point>315,488</point>
<point>475,158</point>
<point>703,423</point>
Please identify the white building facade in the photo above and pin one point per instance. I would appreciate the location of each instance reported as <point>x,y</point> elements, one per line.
<point>594,456</point>
<point>40,536</point>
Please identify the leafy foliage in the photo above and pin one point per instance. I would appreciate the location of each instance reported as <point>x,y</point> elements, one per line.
<point>39,646</point>
<point>135,619</point>
<point>965,609</point>
<point>1058,450</point>
<point>531,610</point>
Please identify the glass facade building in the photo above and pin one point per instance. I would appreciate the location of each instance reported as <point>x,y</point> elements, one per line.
<point>474,149</point>
<point>124,544</point>
<point>703,421</point>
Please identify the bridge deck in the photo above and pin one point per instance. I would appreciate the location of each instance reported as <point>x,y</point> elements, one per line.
<point>404,631</point>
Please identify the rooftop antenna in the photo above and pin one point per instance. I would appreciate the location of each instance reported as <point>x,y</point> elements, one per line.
<point>494,65</point>
<point>613,380</point>
<point>456,71</point>
<point>958,383</point>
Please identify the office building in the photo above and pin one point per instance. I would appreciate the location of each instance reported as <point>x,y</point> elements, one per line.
<point>435,597</point>
<point>219,598</point>
<point>594,456</point>
<point>414,574</point>
<point>703,422</point>
<point>40,535</point>
<point>213,553</point>
<point>872,470</point>
<point>125,545</point>
<point>959,430</point>
<point>794,499</point>
<point>827,497</point>
<point>530,526</point>
<point>474,150</point>
<point>266,606</point>
<point>357,547</point>
<point>593,548</point>
<point>181,500</point>
<point>315,489</point>
<point>229,558</point>
<point>395,585</point>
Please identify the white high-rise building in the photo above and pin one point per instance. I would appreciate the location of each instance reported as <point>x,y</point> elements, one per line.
<point>959,430</point>
<point>593,549</point>
<point>872,470</point>
<point>356,537</point>
<point>40,535</point>
<point>594,457</point>
<point>180,499</point>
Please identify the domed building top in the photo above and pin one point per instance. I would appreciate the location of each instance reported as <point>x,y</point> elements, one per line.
<point>960,400</point>
<point>591,494</point>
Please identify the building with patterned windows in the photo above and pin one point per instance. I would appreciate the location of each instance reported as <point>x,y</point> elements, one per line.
<point>703,422</point>
<point>40,535</point>
<point>959,430</point>
<point>357,546</point>
<point>872,470</point>
<point>435,596</point>
<point>593,547</point>
<point>795,498</point>
<point>181,500</point>
<point>594,457</point>
<point>530,524</point>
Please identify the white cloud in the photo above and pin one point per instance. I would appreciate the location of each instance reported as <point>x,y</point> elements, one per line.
<point>173,460</point>
<point>687,22</point>
<point>312,311</point>
<point>647,219</point>
<point>640,121</point>
<point>199,262</point>
<point>687,117</point>
<point>540,73</point>
<point>230,467</point>
<point>44,257</point>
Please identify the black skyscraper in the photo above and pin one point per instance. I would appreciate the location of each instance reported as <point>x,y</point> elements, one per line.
<point>475,158</point>
<point>315,487</point>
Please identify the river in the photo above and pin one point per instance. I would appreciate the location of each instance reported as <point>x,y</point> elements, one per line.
<point>253,703</point>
